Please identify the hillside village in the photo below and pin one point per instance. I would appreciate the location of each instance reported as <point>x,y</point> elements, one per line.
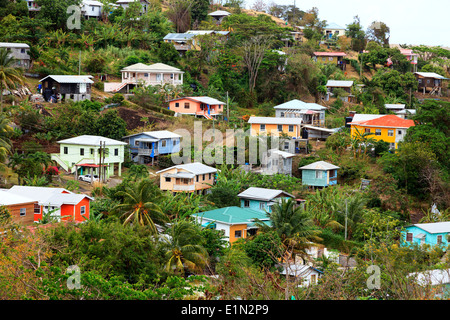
<point>185,150</point>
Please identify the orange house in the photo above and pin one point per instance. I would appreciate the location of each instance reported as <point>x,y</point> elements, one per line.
<point>197,106</point>
<point>63,204</point>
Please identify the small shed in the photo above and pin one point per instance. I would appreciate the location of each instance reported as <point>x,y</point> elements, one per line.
<point>319,174</point>
<point>219,15</point>
<point>76,88</point>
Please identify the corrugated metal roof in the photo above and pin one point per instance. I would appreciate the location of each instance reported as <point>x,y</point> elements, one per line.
<point>329,54</point>
<point>262,194</point>
<point>299,105</point>
<point>430,75</point>
<point>358,117</point>
<point>282,154</point>
<point>339,83</point>
<point>179,36</point>
<point>436,227</point>
<point>161,134</point>
<point>395,106</point>
<point>14,45</point>
<point>333,25</point>
<point>8,198</point>
<point>156,67</point>
<point>219,13</point>
<point>88,140</point>
<point>233,215</point>
<point>195,168</point>
<point>40,194</point>
<point>69,79</point>
<point>319,165</point>
<point>275,120</point>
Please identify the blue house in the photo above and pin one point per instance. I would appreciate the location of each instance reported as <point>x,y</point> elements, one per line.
<point>319,174</point>
<point>148,145</point>
<point>433,234</point>
<point>262,199</point>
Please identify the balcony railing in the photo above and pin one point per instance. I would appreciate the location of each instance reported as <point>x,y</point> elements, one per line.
<point>184,187</point>
<point>146,152</point>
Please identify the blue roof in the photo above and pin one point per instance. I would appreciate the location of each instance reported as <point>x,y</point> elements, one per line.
<point>333,25</point>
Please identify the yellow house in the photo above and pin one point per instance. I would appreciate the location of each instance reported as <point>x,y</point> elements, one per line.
<point>389,128</point>
<point>275,125</point>
<point>189,177</point>
<point>335,58</point>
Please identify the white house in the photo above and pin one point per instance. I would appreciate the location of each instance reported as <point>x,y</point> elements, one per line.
<point>84,154</point>
<point>18,51</point>
<point>140,73</point>
<point>304,274</point>
<point>126,3</point>
<point>333,29</point>
<point>91,9</point>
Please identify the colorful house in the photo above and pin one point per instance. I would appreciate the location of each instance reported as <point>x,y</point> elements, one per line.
<point>148,145</point>
<point>430,83</point>
<point>274,125</point>
<point>21,208</point>
<point>197,106</point>
<point>83,154</point>
<point>63,204</point>
<point>275,161</point>
<point>319,174</point>
<point>190,177</point>
<point>235,222</point>
<point>390,128</point>
<point>333,30</point>
<point>262,199</point>
<point>433,234</point>
<point>335,58</point>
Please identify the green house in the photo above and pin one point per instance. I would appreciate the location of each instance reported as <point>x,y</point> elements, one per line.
<point>319,174</point>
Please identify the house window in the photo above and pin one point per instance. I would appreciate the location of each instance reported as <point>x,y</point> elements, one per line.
<point>209,176</point>
<point>23,212</point>
<point>196,178</point>
<point>146,75</point>
<point>409,237</point>
<point>136,143</point>
<point>330,58</point>
<point>262,205</point>
<point>399,132</point>
<point>83,210</point>
<point>390,133</point>
<point>319,174</point>
<point>177,105</point>
<point>174,142</point>
<point>37,209</point>
<point>366,130</point>
<point>378,132</point>
<point>291,128</point>
<point>392,145</point>
<point>168,179</point>
<point>204,176</point>
<point>286,145</point>
<point>186,105</point>
<point>262,127</point>
<point>324,59</point>
<point>280,127</point>
<point>81,151</point>
<point>163,143</point>
<point>313,279</point>
<point>66,150</point>
<point>439,239</point>
<point>246,203</point>
<point>158,77</point>
<point>220,107</point>
<point>92,150</point>
<point>238,233</point>
<point>282,114</point>
<point>116,151</point>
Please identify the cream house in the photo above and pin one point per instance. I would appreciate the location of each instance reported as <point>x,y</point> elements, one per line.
<point>139,73</point>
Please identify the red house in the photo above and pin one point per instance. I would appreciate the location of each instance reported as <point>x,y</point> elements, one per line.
<point>63,204</point>
<point>197,106</point>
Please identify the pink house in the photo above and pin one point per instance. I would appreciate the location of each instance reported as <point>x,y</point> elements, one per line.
<point>197,106</point>
<point>411,56</point>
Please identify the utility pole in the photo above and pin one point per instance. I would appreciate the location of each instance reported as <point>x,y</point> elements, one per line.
<point>228,109</point>
<point>104,168</point>
<point>345,219</point>
<point>79,63</point>
<point>99,163</point>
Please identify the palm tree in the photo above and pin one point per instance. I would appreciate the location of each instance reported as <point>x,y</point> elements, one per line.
<point>138,205</point>
<point>5,134</point>
<point>295,228</point>
<point>10,76</point>
<point>183,249</point>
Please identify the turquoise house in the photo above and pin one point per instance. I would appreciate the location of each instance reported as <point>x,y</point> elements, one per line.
<point>319,174</point>
<point>262,199</point>
<point>433,234</point>
<point>148,145</point>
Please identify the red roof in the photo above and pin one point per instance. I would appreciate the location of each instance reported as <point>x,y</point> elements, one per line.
<point>330,54</point>
<point>390,121</point>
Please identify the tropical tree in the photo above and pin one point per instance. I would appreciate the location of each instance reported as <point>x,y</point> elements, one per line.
<point>139,206</point>
<point>10,76</point>
<point>182,244</point>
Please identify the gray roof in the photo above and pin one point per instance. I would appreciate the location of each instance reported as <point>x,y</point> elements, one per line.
<point>69,79</point>
<point>333,25</point>
<point>319,165</point>
<point>205,100</point>
<point>161,134</point>
<point>364,117</point>
<point>8,198</point>
<point>219,13</point>
<point>436,227</point>
<point>395,106</point>
<point>87,140</point>
<point>14,45</point>
<point>339,83</point>
<point>179,36</point>
<point>430,75</point>
<point>195,168</point>
<point>406,111</point>
<point>262,194</point>
<point>282,154</point>
<point>299,105</point>
<point>275,120</point>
